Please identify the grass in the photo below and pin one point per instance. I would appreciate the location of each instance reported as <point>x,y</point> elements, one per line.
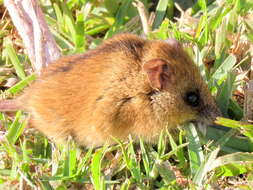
<point>217,35</point>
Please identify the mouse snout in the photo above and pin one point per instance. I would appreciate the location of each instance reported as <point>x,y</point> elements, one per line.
<point>209,113</point>
<point>206,117</point>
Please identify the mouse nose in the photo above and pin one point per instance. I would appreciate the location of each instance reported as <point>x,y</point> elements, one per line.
<point>210,112</point>
<point>207,117</point>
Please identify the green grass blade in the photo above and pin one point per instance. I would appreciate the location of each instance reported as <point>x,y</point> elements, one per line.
<point>161,144</point>
<point>164,169</point>
<point>134,165</point>
<point>233,124</point>
<point>235,158</point>
<point>45,185</point>
<point>222,70</point>
<point>225,138</point>
<point>162,32</point>
<point>21,85</point>
<point>218,17</point>
<point>15,61</point>
<point>80,35</point>
<point>199,62</point>
<point>130,160</point>
<point>62,41</point>
<point>126,185</point>
<point>174,152</point>
<point>234,144</point>
<point>224,93</point>
<point>120,18</point>
<point>236,109</point>
<point>59,16</point>
<point>16,128</point>
<point>98,29</point>
<point>25,151</point>
<point>170,9</point>
<point>220,38</point>
<point>246,129</point>
<point>160,13</point>
<point>202,33</point>
<point>84,161</point>
<point>70,23</point>
<point>204,168</point>
<point>195,152</point>
<point>96,178</point>
<point>179,153</point>
<point>70,162</point>
<point>145,158</point>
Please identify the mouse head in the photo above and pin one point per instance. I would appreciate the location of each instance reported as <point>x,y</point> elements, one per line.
<point>180,94</point>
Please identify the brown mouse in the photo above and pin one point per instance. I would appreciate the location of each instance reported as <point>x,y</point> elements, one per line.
<point>127,85</point>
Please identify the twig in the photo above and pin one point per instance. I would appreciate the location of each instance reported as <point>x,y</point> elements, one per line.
<point>28,18</point>
<point>143,15</point>
<point>248,102</point>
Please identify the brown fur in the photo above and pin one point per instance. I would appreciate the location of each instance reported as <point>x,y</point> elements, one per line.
<point>106,92</point>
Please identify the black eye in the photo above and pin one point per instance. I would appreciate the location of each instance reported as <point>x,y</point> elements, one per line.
<point>192,99</point>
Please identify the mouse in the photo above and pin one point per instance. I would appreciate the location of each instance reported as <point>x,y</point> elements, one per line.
<point>126,86</point>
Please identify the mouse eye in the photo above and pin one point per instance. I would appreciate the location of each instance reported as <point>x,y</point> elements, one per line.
<point>192,99</point>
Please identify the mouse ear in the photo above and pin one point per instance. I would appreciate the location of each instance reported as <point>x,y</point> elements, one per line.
<point>173,42</point>
<point>159,73</point>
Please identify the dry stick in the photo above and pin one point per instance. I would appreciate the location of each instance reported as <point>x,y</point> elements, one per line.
<point>28,19</point>
<point>248,102</point>
<point>143,15</point>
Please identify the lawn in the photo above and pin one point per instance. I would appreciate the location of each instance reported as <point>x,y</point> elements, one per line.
<point>218,35</point>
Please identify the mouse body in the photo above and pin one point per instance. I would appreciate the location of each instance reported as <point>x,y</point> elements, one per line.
<point>126,86</point>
